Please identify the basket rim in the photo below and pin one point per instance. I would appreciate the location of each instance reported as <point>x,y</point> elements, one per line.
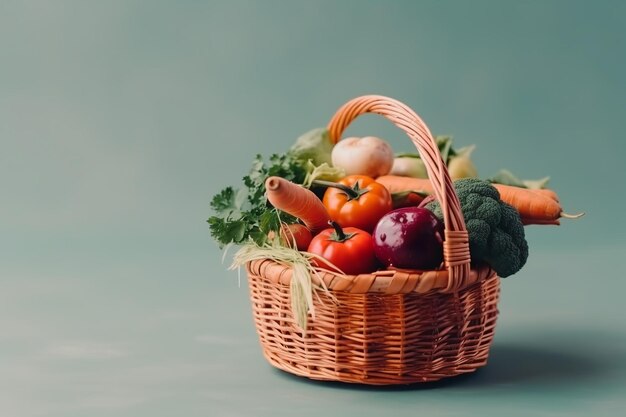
<point>387,281</point>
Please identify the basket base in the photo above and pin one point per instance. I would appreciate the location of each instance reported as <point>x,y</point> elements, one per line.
<point>374,380</point>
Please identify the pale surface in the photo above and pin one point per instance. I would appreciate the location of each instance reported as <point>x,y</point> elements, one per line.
<point>119,120</point>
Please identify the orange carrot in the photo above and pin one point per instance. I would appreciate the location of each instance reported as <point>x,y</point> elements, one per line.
<point>406,191</point>
<point>297,201</point>
<point>294,233</point>
<point>535,206</point>
<point>547,193</point>
<point>406,199</point>
<point>398,184</point>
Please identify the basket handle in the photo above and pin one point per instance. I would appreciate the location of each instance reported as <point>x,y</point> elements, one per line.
<point>456,253</point>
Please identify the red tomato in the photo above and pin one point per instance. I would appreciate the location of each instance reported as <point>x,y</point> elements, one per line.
<point>349,249</point>
<point>357,201</point>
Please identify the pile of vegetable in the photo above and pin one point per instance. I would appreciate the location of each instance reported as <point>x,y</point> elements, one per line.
<point>356,207</point>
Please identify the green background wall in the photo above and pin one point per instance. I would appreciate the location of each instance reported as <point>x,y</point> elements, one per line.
<point>120,119</point>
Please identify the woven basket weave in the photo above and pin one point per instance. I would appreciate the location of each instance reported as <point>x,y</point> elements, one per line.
<point>391,326</point>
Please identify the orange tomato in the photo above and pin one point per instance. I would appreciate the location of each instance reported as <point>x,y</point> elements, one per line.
<point>357,201</point>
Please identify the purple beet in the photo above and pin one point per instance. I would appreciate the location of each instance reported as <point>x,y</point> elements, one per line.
<point>410,238</point>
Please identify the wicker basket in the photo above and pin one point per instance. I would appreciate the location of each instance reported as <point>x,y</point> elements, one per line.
<point>391,326</point>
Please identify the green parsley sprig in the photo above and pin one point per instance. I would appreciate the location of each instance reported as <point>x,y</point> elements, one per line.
<point>243,213</point>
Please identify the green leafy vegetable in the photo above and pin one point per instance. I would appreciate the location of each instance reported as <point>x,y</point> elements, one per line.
<point>243,214</point>
<point>323,172</point>
<point>314,145</point>
<point>506,177</point>
<point>444,144</point>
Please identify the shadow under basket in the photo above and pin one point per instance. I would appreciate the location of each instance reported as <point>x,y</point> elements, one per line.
<point>362,334</point>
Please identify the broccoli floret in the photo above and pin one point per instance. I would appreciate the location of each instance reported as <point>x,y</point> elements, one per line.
<point>495,229</point>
